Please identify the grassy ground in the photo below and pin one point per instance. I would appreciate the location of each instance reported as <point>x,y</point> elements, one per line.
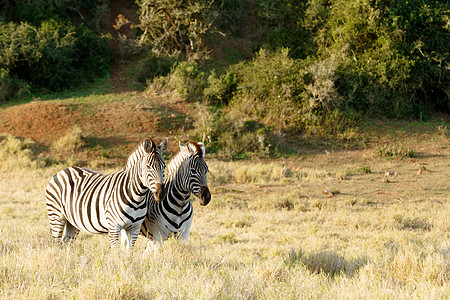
<point>328,224</point>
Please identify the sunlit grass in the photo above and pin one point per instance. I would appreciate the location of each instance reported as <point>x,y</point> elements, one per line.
<point>269,232</point>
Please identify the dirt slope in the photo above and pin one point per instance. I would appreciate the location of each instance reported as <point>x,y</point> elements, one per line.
<point>113,122</point>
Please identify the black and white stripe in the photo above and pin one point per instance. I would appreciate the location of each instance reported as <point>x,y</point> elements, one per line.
<point>186,174</point>
<point>82,199</point>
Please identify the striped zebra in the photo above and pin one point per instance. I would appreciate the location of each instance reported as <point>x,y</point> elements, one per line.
<point>82,199</point>
<point>186,174</point>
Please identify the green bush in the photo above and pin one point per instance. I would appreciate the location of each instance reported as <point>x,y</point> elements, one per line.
<point>372,75</point>
<point>11,87</point>
<point>426,37</point>
<point>282,26</point>
<point>186,78</point>
<point>229,135</point>
<point>394,54</point>
<point>269,88</point>
<point>152,66</point>
<point>220,90</point>
<point>51,57</point>
<point>281,93</point>
<point>174,27</point>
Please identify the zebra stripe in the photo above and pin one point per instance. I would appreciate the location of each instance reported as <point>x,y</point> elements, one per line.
<point>83,199</point>
<point>186,174</point>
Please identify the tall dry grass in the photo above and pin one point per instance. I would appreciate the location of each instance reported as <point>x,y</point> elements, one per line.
<point>270,232</point>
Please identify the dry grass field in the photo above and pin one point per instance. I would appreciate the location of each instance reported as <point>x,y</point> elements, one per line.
<point>324,225</point>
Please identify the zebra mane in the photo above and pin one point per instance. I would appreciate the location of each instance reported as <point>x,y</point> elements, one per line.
<point>182,155</point>
<point>138,152</point>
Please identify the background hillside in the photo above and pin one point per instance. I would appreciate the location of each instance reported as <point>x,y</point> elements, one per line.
<point>246,77</point>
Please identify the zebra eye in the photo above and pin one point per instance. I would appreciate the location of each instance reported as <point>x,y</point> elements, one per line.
<point>194,172</point>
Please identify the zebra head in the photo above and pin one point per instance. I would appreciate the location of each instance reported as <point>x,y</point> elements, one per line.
<point>197,171</point>
<point>152,168</point>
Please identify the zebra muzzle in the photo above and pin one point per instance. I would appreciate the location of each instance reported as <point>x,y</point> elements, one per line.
<point>160,192</point>
<point>205,196</point>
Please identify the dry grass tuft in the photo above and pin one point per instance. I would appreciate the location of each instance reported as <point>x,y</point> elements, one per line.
<point>17,153</point>
<point>73,141</point>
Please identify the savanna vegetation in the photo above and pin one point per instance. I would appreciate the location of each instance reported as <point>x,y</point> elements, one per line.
<point>325,124</point>
<point>363,224</point>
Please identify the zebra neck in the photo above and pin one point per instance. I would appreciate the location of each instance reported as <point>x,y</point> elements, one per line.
<point>177,180</point>
<point>177,194</point>
<point>133,187</point>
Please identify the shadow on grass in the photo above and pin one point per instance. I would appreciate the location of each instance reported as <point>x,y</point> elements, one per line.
<point>327,262</point>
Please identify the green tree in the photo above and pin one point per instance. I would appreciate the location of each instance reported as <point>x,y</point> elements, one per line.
<point>53,56</point>
<point>174,27</point>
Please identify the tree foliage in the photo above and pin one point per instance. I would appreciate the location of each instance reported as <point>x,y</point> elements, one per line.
<point>53,56</point>
<point>394,54</point>
<point>174,27</point>
<point>40,50</point>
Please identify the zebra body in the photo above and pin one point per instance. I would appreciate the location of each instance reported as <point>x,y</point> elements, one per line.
<point>186,174</point>
<point>83,199</point>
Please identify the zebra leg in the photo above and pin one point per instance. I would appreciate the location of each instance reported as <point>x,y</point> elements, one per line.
<point>155,242</point>
<point>113,234</point>
<point>124,239</point>
<point>133,233</point>
<point>184,235</point>
<point>57,224</point>
<point>70,233</point>
<point>128,237</point>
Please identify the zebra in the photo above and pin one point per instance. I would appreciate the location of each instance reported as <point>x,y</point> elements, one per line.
<point>186,174</point>
<point>83,199</point>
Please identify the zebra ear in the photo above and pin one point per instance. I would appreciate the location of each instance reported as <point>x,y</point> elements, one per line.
<point>149,146</point>
<point>163,146</point>
<point>189,146</point>
<point>202,146</point>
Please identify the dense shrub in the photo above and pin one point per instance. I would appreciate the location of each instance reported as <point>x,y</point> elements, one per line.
<point>426,37</point>
<point>281,93</point>
<point>282,26</point>
<point>269,88</point>
<point>51,45</point>
<point>229,135</point>
<point>186,78</point>
<point>174,27</point>
<point>229,15</point>
<point>393,55</point>
<point>88,12</point>
<point>11,87</point>
<point>220,90</point>
<point>53,56</point>
<point>261,99</point>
